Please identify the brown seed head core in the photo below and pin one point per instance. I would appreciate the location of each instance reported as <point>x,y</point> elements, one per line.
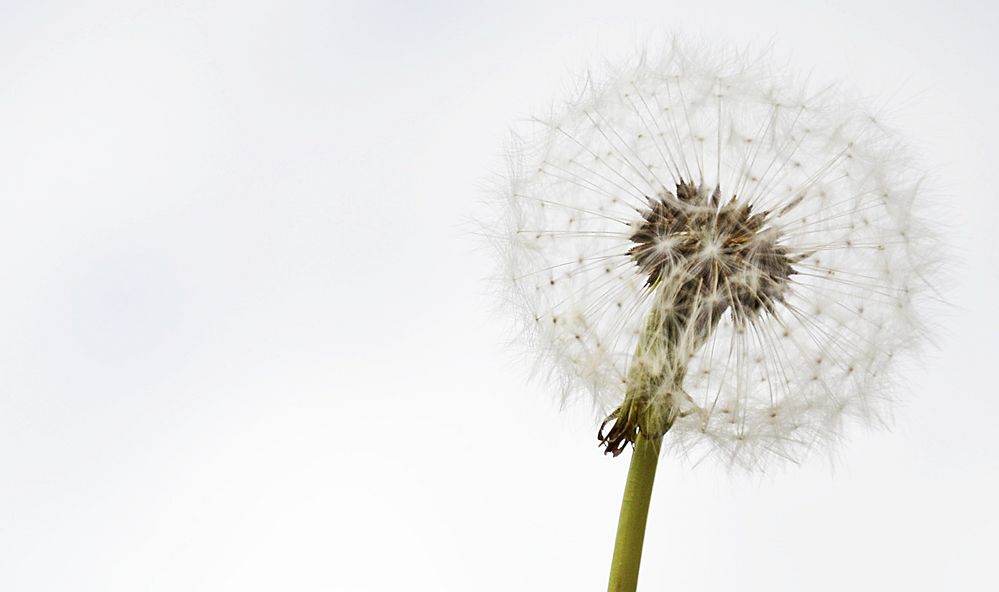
<point>701,258</point>
<point>723,253</point>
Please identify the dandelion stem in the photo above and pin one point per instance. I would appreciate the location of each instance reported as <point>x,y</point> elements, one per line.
<point>634,512</point>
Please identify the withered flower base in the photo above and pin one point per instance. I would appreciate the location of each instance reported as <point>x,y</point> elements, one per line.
<point>702,258</point>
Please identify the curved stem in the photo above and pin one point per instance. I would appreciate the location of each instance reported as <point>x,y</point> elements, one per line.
<point>634,512</point>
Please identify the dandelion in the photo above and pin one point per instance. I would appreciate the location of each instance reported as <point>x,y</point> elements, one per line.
<point>725,261</point>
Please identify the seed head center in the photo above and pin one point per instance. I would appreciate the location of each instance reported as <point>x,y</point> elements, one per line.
<point>710,257</point>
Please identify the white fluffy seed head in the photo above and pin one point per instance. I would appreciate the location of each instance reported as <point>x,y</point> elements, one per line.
<point>749,242</point>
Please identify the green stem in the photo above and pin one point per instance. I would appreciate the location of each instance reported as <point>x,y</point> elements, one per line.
<point>634,512</point>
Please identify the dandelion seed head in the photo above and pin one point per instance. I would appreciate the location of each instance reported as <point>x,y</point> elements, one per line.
<point>704,248</point>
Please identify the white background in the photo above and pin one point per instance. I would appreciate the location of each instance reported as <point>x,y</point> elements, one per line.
<point>247,345</point>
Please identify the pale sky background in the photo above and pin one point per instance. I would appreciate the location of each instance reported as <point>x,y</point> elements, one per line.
<point>246,342</point>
